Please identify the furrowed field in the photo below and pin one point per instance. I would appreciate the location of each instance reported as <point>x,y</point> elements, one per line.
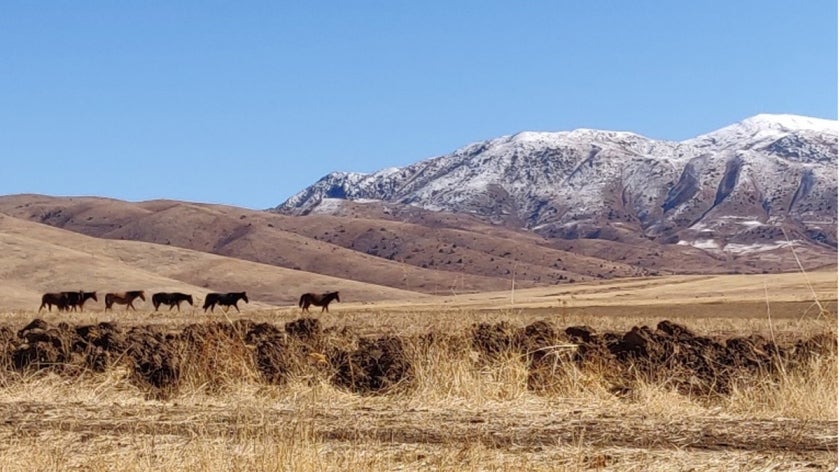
<point>672,373</point>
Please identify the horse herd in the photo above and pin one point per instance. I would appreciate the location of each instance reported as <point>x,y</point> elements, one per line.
<point>67,301</point>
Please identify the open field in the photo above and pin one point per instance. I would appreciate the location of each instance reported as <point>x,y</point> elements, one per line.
<point>744,377</point>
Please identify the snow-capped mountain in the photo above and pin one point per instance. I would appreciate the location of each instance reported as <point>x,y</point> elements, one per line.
<point>749,186</point>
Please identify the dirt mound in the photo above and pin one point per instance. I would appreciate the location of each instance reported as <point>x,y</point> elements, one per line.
<point>156,363</point>
<point>272,355</point>
<point>214,355</point>
<point>304,328</point>
<point>297,350</point>
<point>262,331</point>
<point>59,348</point>
<point>377,366</point>
<point>673,353</point>
<point>538,342</point>
<point>820,345</point>
<point>593,349</point>
<point>493,340</point>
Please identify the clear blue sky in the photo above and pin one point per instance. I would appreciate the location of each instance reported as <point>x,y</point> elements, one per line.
<point>246,103</point>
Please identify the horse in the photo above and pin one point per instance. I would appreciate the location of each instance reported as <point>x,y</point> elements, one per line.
<point>226,299</point>
<point>57,299</point>
<point>124,298</point>
<point>76,300</point>
<point>171,299</point>
<point>318,299</point>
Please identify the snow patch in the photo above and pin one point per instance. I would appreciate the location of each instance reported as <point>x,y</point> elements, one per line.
<point>328,205</point>
<point>736,248</point>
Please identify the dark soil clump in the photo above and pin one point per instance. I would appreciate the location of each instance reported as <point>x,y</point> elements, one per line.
<point>377,366</point>
<point>214,354</point>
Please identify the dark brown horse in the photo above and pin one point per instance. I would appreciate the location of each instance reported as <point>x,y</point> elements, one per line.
<point>318,299</point>
<point>124,298</point>
<point>225,299</point>
<point>57,299</point>
<point>172,299</point>
<point>76,300</point>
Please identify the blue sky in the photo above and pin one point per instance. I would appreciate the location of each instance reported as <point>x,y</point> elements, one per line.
<point>246,103</point>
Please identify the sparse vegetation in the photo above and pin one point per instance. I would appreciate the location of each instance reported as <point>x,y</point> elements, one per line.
<point>383,389</point>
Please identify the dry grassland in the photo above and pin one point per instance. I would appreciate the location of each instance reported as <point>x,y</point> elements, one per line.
<point>463,384</point>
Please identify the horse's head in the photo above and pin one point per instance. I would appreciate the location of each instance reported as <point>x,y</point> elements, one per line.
<point>245,297</point>
<point>91,295</point>
<point>142,295</point>
<point>189,299</point>
<point>336,297</point>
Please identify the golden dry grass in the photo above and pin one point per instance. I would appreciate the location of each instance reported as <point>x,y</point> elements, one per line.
<point>458,418</point>
<point>459,414</point>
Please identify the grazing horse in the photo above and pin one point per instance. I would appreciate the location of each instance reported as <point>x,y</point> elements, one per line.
<point>124,298</point>
<point>171,299</point>
<point>76,300</point>
<point>318,299</point>
<point>57,299</point>
<point>226,299</point>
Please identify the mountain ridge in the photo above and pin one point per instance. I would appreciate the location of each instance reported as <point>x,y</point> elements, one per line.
<point>744,185</point>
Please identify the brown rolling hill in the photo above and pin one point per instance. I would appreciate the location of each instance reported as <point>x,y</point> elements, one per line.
<point>432,259</point>
<point>36,258</point>
<point>386,245</point>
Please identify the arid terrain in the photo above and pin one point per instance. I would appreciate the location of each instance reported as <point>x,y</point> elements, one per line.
<point>407,249</point>
<point>741,376</point>
<point>704,371</point>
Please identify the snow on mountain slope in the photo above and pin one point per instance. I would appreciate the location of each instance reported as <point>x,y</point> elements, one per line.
<point>731,188</point>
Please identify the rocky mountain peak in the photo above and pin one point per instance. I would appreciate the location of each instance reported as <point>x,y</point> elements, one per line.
<point>733,189</point>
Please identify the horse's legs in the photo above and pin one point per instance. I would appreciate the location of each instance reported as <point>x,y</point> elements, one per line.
<point>237,308</point>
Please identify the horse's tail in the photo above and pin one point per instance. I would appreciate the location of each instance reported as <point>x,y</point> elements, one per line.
<point>302,300</point>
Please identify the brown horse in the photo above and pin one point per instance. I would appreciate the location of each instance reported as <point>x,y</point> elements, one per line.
<point>124,298</point>
<point>76,300</point>
<point>225,299</point>
<point>173,299</point>
<point>318,299</point>
<point>57,299</point>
